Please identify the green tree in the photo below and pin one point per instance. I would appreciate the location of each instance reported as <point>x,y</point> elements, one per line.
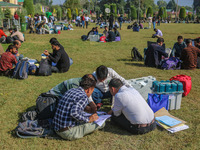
<point>164,13</point>
<point>69,13</point>
<point>7,13</point>
<point>133,13</point>
<point>28,4</point>
<point>161,13</point>
<point>171,5</point>
<point>182,13</point>
<point>149,12</point>
<point>1,16</point>
<point>37,8</point>
<point>161,3</point>
<point>113,9</point>
<point>72,4</point>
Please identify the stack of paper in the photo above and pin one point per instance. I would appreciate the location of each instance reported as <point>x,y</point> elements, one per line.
<point>169,122</point>
<point>103,116</point>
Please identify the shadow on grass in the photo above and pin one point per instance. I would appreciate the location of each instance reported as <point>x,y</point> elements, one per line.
<point>124,59</point>
<point>135,64</point>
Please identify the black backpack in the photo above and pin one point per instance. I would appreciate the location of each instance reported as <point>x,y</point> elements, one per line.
<point>136,56</point>
<point>45,68</point>
<point>9,40</point>
<point>129,27</point>
<point>46,106</point>
<point>21,70</point>
<point>198,62</point>
<point>84,37</point>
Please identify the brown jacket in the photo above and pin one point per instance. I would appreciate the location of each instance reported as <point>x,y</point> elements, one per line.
<point>189,57</point>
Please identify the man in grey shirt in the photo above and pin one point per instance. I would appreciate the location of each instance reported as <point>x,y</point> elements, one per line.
<point>130,110</point>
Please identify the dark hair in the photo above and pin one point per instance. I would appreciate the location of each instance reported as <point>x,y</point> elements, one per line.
<point>16,42</point>
<point>1,28</point>
<point>105,27</point>
<point>52,39</point>
<point>11,47</point>
<point>155,29</point>
<point>159,40</point>
<point>10,29</point>
<point>56,43</point>
<point>102,72</point>
<point>87,82</point>
<point>15,29</point>
<point>188,41</point>
<point>116,83</point>
<point>180,37</point>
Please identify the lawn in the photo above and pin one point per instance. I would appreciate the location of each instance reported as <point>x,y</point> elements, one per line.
<point>16,96</point>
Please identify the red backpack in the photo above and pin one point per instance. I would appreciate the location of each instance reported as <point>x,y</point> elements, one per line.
<point>102,39</point>
<point>186,81</point>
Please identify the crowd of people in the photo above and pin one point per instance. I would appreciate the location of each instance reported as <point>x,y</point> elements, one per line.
<point>185,51</point>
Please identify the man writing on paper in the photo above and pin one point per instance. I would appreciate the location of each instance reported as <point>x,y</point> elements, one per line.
<point>130,110</point>
<point>69,120</point>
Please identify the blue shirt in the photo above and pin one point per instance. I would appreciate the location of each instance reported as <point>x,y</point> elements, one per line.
<point>177,49</point>
<point>70,109</point>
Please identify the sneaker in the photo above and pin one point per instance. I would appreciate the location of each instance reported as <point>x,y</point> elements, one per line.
<point>99,105</point>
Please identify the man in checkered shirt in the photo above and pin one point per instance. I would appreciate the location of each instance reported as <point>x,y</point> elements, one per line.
<point>69,121</point>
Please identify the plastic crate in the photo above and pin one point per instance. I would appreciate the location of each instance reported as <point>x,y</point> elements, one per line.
<point>174,100</point>
<point>143,85</point>
<point>167,86</point>
<point>94,38</point>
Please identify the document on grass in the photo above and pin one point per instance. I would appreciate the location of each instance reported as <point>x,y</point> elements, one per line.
<point>178,128</point>
<point>168,120</point>
<point>102,117</point>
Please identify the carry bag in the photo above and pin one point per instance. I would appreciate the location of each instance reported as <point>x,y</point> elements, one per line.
<point>171,63</point>
<point>136,56</point>
<point>46,106</point>
<point>158,101</point>
<point>45,68</point>
<point>21,70</point>
<point>186,81</point>
<point>9,40</point>
<point>84,37</point>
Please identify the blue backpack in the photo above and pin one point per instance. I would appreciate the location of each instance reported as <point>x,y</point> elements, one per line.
<point>171,63</point>
<point>21,70</point>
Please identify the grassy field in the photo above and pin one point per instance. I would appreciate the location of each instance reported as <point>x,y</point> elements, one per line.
<point>18,95</point>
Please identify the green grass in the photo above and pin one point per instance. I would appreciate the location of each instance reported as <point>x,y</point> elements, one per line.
<point>18,95</point>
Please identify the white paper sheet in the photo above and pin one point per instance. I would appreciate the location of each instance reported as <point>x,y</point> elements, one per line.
<point>103,116</point>
<point>179,128</point>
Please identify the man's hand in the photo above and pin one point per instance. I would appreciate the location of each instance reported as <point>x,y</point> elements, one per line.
<point>110,112</point>
<point>17,54</point>
<point>93,107</point>
<point>93,118</point>
<point>46,52</point>
<point>88,109</point>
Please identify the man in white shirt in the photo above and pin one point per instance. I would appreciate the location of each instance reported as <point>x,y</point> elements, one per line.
<point>78,19</point>
<point>87,20</point>
<point>158,34</point>
<point>103,76</point>
<point>150,21</point>
<point>130,110</point>
<point>45,19</point>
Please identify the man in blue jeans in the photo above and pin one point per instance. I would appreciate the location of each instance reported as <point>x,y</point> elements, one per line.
<point>103,76</point>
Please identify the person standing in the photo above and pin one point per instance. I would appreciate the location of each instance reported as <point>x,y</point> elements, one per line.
<point>87,20</point>
<point>111,19</point>
<point>83,20</point>
<point>154,21</point>
<point>120,19</point>
<point>150,21</point>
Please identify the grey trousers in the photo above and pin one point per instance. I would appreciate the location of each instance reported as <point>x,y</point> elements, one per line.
<point>80,131</point>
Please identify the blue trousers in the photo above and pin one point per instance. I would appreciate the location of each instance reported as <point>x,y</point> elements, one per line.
<point>154,24</point>
<point>97,95</point>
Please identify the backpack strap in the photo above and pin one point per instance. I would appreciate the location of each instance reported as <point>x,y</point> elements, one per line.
<point>21,69</point>
<point>16,69</point>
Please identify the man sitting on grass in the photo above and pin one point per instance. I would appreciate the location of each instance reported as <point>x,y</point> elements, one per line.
<point>7,61</point>
<point>130,110</point>
<point>16,35</point>
<point>154,54</point>
<point>189,56</point>
<point>69,120</point>
<point>178,47</point>
<point>105,32</point>
<point>60,89</point>
<point>111,36</point>
<point>17,44</point>
<point>59,56</point>
<point>103,76</point>
<point>116,32</point>
<point>158,34</point>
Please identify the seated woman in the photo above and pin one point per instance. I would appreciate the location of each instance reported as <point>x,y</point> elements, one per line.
<point>117,34</point>
<point>70,26</point>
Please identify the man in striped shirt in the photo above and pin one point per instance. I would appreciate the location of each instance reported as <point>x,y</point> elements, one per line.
<point>189,56</point>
